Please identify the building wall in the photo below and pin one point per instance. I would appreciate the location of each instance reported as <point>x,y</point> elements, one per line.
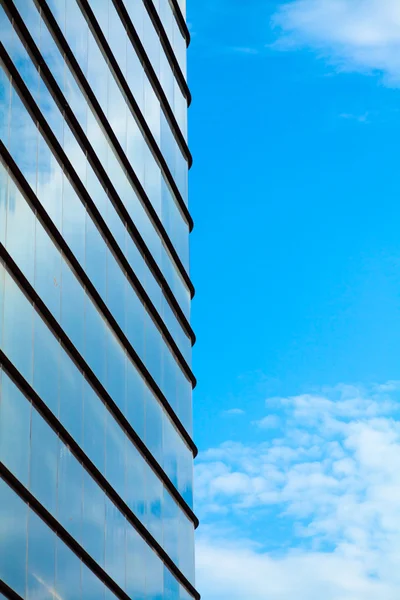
<point>96,384</point>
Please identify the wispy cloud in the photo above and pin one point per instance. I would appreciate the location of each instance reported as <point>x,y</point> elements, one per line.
<point>331,475</point>
<point>268,422</point>
<point>359,118</point>
<point>233,412</point>
<point>362,35</point>
<point>244,50</point>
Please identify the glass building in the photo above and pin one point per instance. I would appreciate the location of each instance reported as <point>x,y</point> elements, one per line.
<point>96,449</point>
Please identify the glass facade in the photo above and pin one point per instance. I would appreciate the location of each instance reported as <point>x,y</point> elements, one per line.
<point>96,450</point>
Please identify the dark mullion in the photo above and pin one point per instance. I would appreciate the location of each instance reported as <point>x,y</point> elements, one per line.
<point>63,247</point>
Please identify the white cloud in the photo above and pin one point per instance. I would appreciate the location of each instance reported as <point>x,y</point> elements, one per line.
<point>356,35</point>
<point>268,422</point>
<point>331,474</point>
<point>233,412</point>
<point>359,118</point>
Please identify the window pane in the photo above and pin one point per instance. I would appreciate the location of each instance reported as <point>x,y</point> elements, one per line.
<point>46,356</point>
<point>20,233</point>
<point>15,425</point>
<point>70,492</point>
<point>115,543</point>
<point>68,573</point>
<point>93,519</point>
<point>94,423</point>
<point>13,539</point>
<point>43,468</point>
<point>71,397</point>
<point>136,562</point>
<point>41,558</point>
<point>18,328</point>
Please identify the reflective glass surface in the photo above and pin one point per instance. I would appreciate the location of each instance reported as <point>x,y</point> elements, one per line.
<point>87,352</point>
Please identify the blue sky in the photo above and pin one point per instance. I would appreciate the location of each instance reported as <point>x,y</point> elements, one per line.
<point>295,129</point>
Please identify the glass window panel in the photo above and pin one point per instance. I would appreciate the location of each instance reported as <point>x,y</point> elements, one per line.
<point>22,127</point>
<point>135,315</point>
<point>95,266</point>
<point>68,573</point>
<point>151,42</point>
<point>94,427</point>
<point>153,181</point>
<point>5,96</point>
<point>185,476</point>
<point>135,403</point>
<point>73,221</point>
<point>76,31</point>
<point>171,447</point>
<point>20,233</point>
<point>93,519</point>
<point>185,400</point>
<point>95,340</point>
<point>4,182</point>
<point>15,426</point>
<point>70,492</point>
<point>13,539</point>
<point>167,78</point>
<point>45,100</point>
<point>92,587</point>
<point>100,145</point>
<point>43,465</point>
<point>72,307</point>
<point>154,576</point>
<point>136,564</point>
<point>171,586</point>
<point>135,148</point>
<point>46,358</point>
<point>18,328</point>
<point>49,182</point>
<point>170,380</point>
<point>2,289</point>
<point>116,365</point>
<point>171,527</point>
<point>154,497</point>
<point>184,594</point>
<point>71,397</point>
<point>116,294</point>
<point>153,348</point>
<point>117,111</point>
<point>97,71</point>
<point>115,543</point>
<point>135,481</point>
<point>47,271</point>
<point>74,152</point>
<point>135,77</point>
<point>154,428</point>
<point>115,454</point>
<point>41,559</point>
<point>186,546</point>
